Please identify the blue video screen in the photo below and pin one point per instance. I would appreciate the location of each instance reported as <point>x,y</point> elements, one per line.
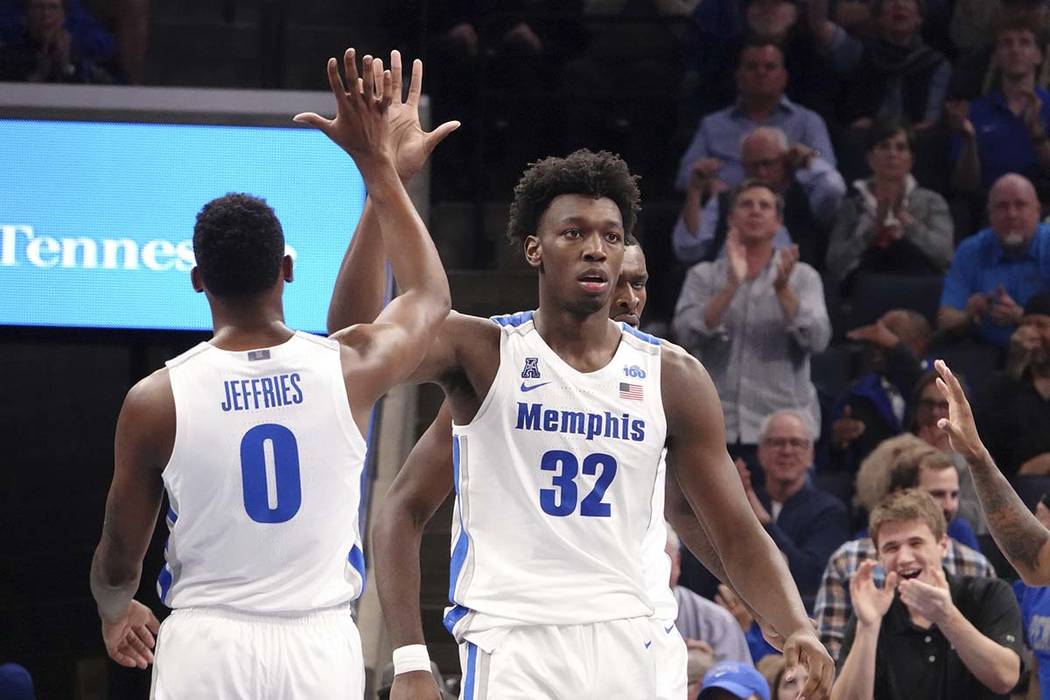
<point>96,218</point>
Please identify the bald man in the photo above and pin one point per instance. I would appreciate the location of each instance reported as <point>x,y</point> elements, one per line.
<point>998,269</point>
<point>873,408</point>
<point>809,184</point>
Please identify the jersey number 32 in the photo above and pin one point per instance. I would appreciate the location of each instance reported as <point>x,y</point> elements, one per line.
<point>561,500</point>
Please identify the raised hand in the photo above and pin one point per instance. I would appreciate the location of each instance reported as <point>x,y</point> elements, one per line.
<point>799,156</point>
<point>416,685</point>
<point>960,425</point>
<point>870,602</point>
<point>786,259</point>
<point>412,145</point>
<point>1004,311</point>
<point>360,126</point>
<point>735,256</point>
<point>932,601</point>
<point>846,429</point>
<point>130,640</point>
<point>957,113</point>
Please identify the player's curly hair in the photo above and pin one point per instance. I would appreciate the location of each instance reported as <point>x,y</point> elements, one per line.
<point>584,172</point>
<point>238,243</point>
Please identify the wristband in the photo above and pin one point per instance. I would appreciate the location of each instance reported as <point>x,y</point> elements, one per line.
<point>411,657</point>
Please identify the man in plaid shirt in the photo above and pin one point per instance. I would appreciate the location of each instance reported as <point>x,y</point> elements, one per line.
<point>833,604</point>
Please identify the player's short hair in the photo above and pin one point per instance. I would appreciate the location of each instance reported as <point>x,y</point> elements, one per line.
<point>751,184</point>
<point>906,506</point>
<point>238,243</point>
<point>905,474</point>
<point>582,172</point>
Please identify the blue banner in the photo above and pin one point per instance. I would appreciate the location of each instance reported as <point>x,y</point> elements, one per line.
<point>96,218</point>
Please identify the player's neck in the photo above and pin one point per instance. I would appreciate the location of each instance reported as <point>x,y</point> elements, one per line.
<point>586,343</point>
<point>248,326</point>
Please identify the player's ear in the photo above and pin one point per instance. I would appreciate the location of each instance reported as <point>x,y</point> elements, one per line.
<point>195,279</point>
<point>533,251</point>
<point>287,268</point>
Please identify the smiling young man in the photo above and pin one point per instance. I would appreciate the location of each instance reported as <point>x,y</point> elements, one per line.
<point>559,419</point>
<point>926,634</point>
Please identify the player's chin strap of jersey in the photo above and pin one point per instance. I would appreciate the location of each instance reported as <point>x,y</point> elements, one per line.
<point>411,657</point>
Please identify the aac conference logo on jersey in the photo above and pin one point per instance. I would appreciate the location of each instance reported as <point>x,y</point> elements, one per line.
<point>531,371</point>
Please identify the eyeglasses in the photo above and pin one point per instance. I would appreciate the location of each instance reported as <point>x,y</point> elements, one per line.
<point>779,443</point>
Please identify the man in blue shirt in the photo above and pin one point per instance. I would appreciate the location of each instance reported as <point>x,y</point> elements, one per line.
<point>998,269</point>
<point>761,80</point>
<point>1006,130</point>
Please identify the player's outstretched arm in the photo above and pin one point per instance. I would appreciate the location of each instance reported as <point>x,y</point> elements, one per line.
<point>388,350</point>
<point>697,458</point>
<point>144,439</point>
<point>360,287</point>
<point>420,488</point>
<point>1021,537</point>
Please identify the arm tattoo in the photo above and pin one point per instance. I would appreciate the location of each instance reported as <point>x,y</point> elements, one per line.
<point>1018,533</point>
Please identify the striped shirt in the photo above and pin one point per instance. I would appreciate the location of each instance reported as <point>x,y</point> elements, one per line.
<point>833,606</point>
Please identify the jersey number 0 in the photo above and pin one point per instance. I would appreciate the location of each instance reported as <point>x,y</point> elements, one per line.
<point>270,473</point>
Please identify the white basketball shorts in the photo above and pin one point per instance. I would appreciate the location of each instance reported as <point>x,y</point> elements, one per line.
<point>563,662</point>
<point>671,657</point>
<point>220,654</point>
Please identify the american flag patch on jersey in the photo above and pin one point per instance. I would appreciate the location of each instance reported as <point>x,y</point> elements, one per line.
<point>254,355</point>
<point>631,391</point>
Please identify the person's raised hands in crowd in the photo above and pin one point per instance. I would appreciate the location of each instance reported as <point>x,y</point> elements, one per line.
<point>977,306</point>
<point>799,157</point>
<point>749,490</point>
<point>729,600</point>
<point>703,177</point>
<point>931,601</point>
<point>785,262</point>
<point>1003,310</point>
<point>846,429</point>
<point>957,113</point>
<point>870,602</point>
<point>412,145</point>
<point>360,126</point>
<point>736,257</point>
<point>1025,342</point>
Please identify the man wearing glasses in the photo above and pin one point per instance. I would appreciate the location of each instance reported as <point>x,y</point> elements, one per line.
<point>806,523</point>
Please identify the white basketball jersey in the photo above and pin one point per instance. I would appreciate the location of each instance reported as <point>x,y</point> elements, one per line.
<point>555,477</point>
<point>656,565</point>
<point>264,480</point>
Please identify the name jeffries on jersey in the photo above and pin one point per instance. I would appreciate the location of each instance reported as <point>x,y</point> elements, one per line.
<point>264,480</point>
<point>554,487</point>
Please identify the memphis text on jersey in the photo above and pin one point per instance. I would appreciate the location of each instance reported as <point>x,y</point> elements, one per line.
<point>533,416</point>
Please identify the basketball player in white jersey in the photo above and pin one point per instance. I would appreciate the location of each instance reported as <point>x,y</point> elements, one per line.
<point>559,419</point>
<point>431,459</point>
<point>257,436</point>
